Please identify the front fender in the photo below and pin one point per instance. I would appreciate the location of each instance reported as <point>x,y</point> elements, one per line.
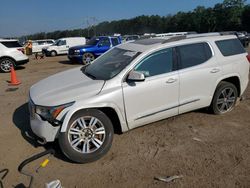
<point>72,111</point>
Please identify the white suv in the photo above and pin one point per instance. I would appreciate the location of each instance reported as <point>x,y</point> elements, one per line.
<point>11,54</point>
<point>135,84</point>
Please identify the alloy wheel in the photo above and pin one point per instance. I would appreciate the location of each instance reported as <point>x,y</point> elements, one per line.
<point>86,134</point>
<point>6,65</point>
<point>226,100</point>
<point>87,58</point>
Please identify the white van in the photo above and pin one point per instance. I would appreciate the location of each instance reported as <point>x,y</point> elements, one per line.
<point>38,45</point>
<point>61,46</point>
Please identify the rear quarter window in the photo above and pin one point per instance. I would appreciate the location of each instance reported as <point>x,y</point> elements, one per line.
<point>11,44</point>
<point>230,47</point>
<point>193,54</point>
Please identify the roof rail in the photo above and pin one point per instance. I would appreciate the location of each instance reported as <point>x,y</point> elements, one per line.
<point>174,38</point>
<point>203,35</point>
<point>188,36</point>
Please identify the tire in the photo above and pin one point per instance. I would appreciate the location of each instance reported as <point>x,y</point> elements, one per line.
<point>80,143</point>
<point>87,58</point>
<point>53,53</point>
<point>5,64</point>
<point>224,99</point>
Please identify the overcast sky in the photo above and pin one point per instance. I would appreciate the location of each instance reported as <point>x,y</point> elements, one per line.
<point>22,17</point>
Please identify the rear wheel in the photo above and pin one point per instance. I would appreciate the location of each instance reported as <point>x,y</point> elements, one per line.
<point>87,58</point>
<point>5,64</point>
<point>88,136</point>
<point>225,98</point>
<point>53,53</point>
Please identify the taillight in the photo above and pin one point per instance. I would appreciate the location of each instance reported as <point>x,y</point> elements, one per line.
<point>248,58</point>
<point>21,50</point>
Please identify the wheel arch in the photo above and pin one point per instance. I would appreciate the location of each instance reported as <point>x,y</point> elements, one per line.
<point>111,112</point>
<point>8,58</point>
<point>233,79</point>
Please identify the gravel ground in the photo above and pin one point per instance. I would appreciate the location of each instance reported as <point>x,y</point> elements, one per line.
<point>208,150</point>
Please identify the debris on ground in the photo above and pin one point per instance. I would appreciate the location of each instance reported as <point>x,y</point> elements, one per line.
<point>11,89</point>
<point>168,179</point>
<point>197,139</point>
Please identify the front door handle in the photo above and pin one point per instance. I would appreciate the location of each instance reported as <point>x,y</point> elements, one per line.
<point>215,70</point>
<point>171,80</point>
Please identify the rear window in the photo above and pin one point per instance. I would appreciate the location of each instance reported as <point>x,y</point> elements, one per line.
<point>11,44</point>
<point>194,54</point>
<point>230,47</point>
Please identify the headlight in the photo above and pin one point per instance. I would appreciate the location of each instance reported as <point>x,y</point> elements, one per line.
<point>50,113</point>
<point>76,51</point>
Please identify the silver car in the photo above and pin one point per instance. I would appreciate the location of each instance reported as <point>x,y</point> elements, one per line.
<point>135,84</point>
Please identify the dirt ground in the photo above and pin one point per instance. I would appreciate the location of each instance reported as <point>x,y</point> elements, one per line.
<point>208,150</point>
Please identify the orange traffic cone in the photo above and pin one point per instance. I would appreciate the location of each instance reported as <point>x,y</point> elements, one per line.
<point>13,78</point>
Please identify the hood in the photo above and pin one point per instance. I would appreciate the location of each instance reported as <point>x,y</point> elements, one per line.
<point>64,87</point>
<point>81,47</point>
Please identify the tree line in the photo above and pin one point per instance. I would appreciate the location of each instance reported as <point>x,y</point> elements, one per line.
<point>230,15</point>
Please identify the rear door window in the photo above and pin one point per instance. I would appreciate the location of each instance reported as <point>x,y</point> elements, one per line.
<point>193,54</point>
<point>230,47</point>
<point>11,44</point>
<point>114,41</point>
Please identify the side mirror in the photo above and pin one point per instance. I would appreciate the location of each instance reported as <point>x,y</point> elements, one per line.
<point>135,76</point>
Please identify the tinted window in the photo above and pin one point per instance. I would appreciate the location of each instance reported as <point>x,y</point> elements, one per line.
<point>11,44</point>
<point>158,63</point>
<point>50,42</point>
<point>114,41</point>
<point>194,54</point>
<point>41,43</point>
<point>104,42</point>
<point>230,47</point>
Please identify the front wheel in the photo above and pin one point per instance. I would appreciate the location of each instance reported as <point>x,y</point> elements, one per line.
<point>224,99</point>
<point>87,58</point>
<point>6,64</point>
<point>88,136</point>
<point>53,53</point>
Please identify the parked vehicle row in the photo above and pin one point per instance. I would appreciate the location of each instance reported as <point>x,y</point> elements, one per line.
<point>134,84</point>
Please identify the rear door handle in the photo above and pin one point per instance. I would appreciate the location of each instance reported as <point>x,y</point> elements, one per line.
<point>215,70</point>
<point>171,80</point>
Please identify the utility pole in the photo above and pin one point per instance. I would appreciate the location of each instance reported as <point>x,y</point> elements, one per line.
<point>91,23</point>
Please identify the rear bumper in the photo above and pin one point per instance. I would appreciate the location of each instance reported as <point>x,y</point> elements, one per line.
<point>22,62</point>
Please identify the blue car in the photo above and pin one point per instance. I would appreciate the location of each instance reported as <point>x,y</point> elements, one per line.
<point>93,48</point>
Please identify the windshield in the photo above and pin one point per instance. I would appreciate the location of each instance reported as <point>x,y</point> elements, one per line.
<point>93,41</point>
<point>110,64</point>
<point>59,42</point>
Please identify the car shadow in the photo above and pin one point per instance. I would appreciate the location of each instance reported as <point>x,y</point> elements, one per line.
<point>19,67</point>
<point>21,120</point>
<point>66,62</point>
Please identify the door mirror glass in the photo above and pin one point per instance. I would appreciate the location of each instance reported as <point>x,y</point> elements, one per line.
<point>135,76</point>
